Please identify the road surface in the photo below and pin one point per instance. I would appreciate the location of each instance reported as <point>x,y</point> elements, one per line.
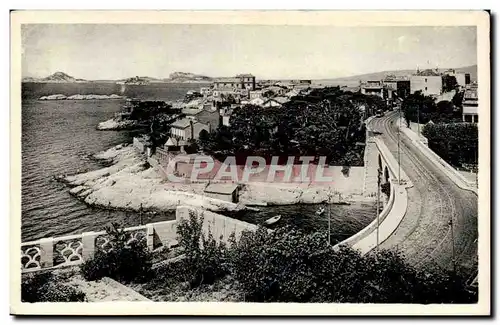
<point>435,203</point>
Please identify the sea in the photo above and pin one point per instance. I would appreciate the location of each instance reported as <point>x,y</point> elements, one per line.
<point>60,138</point>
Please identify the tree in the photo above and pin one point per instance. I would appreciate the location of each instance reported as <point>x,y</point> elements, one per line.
<point>326,122</point>
<point>286,265</point>
<point>449,83</point>
<point>456,143</point>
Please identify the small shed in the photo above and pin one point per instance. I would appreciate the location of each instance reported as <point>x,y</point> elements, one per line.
<point>223,191</point>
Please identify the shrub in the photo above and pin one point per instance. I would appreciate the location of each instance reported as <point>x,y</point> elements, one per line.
<point>206,258</point>
<point>457,143</point>
<point>386,188</point>
<point>290,266</point>
<point>124,262</point>
<point>43,287</point>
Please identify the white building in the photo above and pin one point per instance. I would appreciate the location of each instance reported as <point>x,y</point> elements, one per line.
<point>470,105</point>
<point>428,82</point>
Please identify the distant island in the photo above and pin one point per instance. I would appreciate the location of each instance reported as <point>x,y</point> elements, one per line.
<point>81,97</point>
<point>188,77</point>
<point>58,77</point>
<point>175,77</point>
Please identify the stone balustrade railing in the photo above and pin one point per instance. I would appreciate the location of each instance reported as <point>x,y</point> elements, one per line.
<point>75,249</point>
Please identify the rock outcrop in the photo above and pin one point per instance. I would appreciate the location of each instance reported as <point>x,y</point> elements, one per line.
<point>81,97</point>
<point>117,124</point>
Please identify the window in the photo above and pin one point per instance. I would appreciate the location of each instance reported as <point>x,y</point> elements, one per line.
<point>425,88</point>
<point>425,79</point>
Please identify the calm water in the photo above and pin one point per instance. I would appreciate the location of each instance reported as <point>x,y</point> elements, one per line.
<point>59,137</point>
<point>345,220</point>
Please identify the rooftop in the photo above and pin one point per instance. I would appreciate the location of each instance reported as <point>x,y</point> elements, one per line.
<point>228,79</point>
<point>222,188</point>
<point>245,75</point>
<point>171,142</point>
<point>427,73</point>
<point>182,123</point>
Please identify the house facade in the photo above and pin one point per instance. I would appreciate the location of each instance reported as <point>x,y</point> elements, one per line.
<point>373,87</point>
<point>429,82</point>
<point>241,81</point>
<point>187,129</point>
<point>470,105</point>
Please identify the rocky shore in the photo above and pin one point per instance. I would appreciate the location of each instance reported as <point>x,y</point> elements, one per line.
<point>117,124</point>
<point>81,97</point>
<point>130,183</point>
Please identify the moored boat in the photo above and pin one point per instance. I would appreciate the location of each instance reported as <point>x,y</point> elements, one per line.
<point>273,220</point>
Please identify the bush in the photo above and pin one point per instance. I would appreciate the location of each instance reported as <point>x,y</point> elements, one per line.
<point>43,287</point>
<point>290,266</point>
<point>386,188</point>
<point>205,257</point>
<point>124,263</point>
<point>457,143</point>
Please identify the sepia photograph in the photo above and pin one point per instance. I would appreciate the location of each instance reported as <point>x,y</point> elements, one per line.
<point>329,163</point>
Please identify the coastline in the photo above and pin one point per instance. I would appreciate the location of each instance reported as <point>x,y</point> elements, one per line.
<point>130,182</point>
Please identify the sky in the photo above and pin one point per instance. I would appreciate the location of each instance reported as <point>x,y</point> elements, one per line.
<point>105,51</point>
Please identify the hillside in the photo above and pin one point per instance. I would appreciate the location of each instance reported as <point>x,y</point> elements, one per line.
<point>58,77</point>
<point>354,80</point>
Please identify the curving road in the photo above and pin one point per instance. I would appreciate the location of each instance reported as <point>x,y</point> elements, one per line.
<point>425,233</point>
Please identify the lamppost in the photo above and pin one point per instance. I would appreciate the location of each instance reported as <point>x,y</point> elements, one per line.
<point>399,153</point>
<point>452,245</point>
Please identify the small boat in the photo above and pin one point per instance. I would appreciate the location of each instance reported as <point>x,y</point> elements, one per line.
<point>320,211</point>
<point>272,220</point>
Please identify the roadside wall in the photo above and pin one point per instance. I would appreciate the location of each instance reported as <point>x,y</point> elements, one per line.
<point>220,226</point>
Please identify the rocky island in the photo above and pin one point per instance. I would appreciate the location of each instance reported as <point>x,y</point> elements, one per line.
<point>81,97</point>
<point>58,77</point>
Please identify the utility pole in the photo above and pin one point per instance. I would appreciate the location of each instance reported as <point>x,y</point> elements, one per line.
<point>329,217</point>
<point>399,153</point>
<point>418,120</point>
<point>140,215</point>
<point>452,245</point>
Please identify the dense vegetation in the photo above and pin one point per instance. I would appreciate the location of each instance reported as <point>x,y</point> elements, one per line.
<point>44,287</point>
<point>327,122</point>
<point>287,265</point>
<point>456,143</point>
<point>125,262</point>
<point>449,83</point>
<point>420,108</point>
<point>156,116</point>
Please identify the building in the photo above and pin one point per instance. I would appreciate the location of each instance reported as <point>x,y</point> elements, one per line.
<point>275,102</point>
<point>292,93</point>
<point>241,81</point>
<point>470,107</point>
<point>403,88</point>
<point>429,82</point>
<point>463,79</point>
<point>187,129</point>
<point>255,94</point>
<point>223,191</point>
<point>373,87</point>
<point>208,114</point>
